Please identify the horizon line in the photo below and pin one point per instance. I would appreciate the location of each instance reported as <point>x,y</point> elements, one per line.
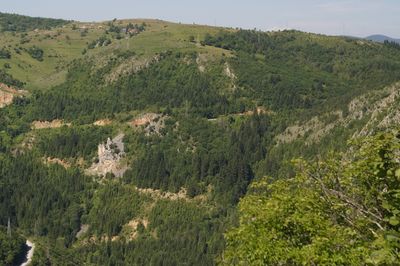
<point>208,25</point>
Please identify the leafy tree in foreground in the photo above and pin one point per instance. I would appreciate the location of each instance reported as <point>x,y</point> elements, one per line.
<point>343,211</point>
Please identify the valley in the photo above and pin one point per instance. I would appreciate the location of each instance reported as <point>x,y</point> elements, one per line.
<point>147,142</point>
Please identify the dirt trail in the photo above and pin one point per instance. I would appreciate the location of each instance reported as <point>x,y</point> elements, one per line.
<point>49,124</point>
<point>29,255</point>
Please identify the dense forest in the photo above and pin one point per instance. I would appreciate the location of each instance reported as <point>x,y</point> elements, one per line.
<point>11,247</point>
<point>18,23</point>
<point>288,70</point>
<point>264,79</point>
<point>72,142</point>
<point>211,126</point>
<point>168,84</point>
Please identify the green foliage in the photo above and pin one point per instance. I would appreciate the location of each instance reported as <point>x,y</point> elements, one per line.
<point>10,247</point>
<point>171,83</point>
<point>292,70</point>
<point>207,155</point>
<point>173,226</point>
<point>113,28</point>
<point>281,71</point>
<point>188,228</point>
<point>12,122</point>
<point>392,44</point>
<point>131,29</point>
<point>341,211</point>
<point>36,53</point>
<point>211,146</point>
<point>42,200</point>
<point>72,142</point>
<point>9,80</point>
<point>100,42</point>
<point>179,232</point>
<point>4,53</point>
<point>113,206</point>
<point>84,33</point>
<point>135,29</point>
<point>18,23</point>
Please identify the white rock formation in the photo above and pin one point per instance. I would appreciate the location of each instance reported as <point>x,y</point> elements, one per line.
<point>109,158</point>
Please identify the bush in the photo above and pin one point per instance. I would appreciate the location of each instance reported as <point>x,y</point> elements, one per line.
<point>9,80</point>
<point>36,53</point>
<point>5,54</point>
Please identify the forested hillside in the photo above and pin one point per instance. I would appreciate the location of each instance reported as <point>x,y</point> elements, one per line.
<point>134,141</point>
<point>18,23</point>
<point>11,248</point>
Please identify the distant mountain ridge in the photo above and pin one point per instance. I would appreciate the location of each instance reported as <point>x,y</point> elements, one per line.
<point>382,38</point>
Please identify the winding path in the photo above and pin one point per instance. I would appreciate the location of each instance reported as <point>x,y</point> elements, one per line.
<point>29,254</point>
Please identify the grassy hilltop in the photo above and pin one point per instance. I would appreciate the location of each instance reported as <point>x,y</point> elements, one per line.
<point>66,42</point>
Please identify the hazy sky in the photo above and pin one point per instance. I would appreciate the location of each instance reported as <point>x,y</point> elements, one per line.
<point>348,17</point>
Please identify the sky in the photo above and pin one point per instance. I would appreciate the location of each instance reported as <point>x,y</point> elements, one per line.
<point>340,17</point>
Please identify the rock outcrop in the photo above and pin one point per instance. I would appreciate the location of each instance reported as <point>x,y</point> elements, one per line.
<point>8,93</point>
<point>83,230</point>
<point>6,98</point>
<point>102,122</point>
<point>61,162</point>
<point>158,194</point>
<point>152,123</point>
<point>130,66</point>
<point>131,229</point>
<point>49,124</point>
<point>109,158</point>
<point>379,108</point>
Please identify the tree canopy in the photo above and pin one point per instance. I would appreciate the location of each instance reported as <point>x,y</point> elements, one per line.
<point>340,211</point>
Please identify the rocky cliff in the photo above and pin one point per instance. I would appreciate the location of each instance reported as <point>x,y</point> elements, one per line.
<point>109,158</point>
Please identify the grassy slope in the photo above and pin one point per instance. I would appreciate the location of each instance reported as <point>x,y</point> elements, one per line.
<point>59,51</point>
